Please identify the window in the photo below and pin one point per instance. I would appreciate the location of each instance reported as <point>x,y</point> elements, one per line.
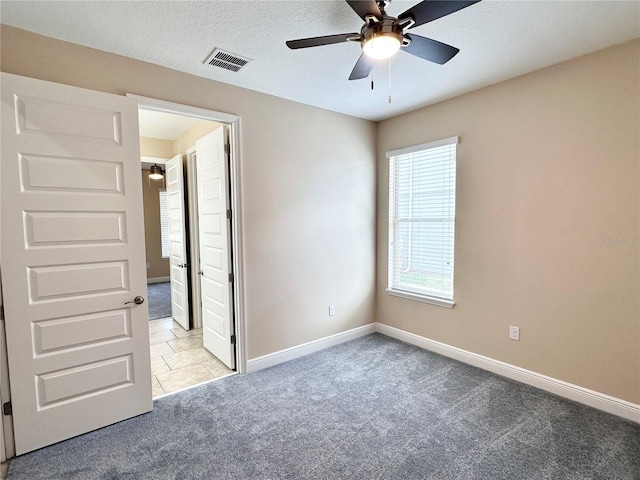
<point>164,223</point>
<point>422,197</point>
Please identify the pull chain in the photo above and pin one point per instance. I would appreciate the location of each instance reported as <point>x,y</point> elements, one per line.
<point>389,79</point>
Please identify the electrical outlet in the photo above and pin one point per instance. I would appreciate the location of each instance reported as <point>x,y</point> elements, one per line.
<point>514,333</point>
<point>332,310</point>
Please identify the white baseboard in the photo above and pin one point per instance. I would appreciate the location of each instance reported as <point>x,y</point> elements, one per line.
<point>158,280</point>
<point>613,405</point>
<point>601,401</point>
<point>287,354</point>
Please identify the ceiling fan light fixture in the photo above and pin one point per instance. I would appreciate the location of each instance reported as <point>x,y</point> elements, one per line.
<point>382,45</point>
<point>155,172</point>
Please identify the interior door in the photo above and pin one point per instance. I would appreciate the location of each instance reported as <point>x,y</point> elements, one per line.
<point>215,246</point>
<point>72,260</point>
<point>178,242</point>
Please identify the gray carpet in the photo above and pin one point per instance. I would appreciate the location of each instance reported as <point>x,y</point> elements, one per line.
<point>159,297</point>
<point>373,408</point>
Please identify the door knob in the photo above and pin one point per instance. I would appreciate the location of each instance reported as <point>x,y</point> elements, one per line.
<point>183,265</point>
<point>200,272</point>
<point>138,300</point>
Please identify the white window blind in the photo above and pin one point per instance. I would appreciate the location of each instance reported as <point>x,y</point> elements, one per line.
<point>164,223</point>
<point>422,197</point>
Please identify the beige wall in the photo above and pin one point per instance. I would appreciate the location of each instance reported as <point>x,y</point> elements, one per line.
<point>548,170</point>
<point>308,188</point>
<point>188,139</point>
<point>156,147</point>
<point>158,266</point>
<point>161,148</point>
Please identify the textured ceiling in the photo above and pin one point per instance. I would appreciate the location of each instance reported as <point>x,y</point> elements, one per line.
<point>498,40</point>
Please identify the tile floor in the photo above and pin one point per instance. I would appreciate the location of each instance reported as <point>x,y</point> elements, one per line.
<point>178,359</point>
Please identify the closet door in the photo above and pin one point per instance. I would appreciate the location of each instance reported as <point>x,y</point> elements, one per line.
<point>215,246</point>
<point>73,261</point>
<point>178,242</point>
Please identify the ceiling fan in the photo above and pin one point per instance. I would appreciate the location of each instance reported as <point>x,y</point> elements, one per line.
<point>382,35</point>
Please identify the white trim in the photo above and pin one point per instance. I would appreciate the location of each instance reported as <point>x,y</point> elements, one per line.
<point>241,329</point>
<point>3,451</point>
<point>6,421</point>
<point>441,302</point>
<point>3,369</point>
<point>233,123</point>
<point>601,401</point>
<point>275,358</point>
<point>176,108</point>
<point>158,160</point>
<point>423,146</point>
<point>158,280</point>
<point>194,252</point>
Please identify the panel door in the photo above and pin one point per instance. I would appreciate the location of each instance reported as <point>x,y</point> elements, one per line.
<point>215,246</point>
<point>73,260</point>
<point>178,242</point>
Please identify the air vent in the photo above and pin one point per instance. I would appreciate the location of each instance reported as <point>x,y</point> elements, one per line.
<point>227,60</point>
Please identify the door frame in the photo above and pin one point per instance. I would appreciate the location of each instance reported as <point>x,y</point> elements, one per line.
<point>233,124</point>
<point>7,444</point>
<point>194,232</point>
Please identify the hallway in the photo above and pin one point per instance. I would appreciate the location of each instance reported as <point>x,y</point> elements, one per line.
<point>178,359</point>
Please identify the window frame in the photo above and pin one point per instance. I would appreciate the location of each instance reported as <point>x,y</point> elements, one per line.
<point>392,288</point>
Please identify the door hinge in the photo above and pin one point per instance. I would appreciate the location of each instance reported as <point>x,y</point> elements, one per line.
<point>233,339</point>
<point>226,148</point>
<point>229,214</point>
<point>231,278</point>
<point>7,409</point>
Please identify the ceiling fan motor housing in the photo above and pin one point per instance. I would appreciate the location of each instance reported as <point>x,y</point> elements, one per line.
<point>388,26</point>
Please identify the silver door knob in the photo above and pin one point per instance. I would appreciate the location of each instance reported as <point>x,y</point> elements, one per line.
<point>138,300</point>
<point>183,265</point>
<point>200,272</point>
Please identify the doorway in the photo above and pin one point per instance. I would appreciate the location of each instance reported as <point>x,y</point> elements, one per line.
<point>77,319</point>
<point>193,345</point>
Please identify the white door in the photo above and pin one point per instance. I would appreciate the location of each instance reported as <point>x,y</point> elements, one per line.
<point>215,246</point>
<point>177,242</point>
<point>72,260</point>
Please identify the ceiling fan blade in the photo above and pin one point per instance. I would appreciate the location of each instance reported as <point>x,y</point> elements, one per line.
<point>317,41</point>
<point>428,10</point>
<point>365,7</point>
<point>431,50</point>
<point>362,69</point>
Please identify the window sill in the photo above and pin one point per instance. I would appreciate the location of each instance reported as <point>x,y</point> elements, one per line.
<point>422,298</point>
